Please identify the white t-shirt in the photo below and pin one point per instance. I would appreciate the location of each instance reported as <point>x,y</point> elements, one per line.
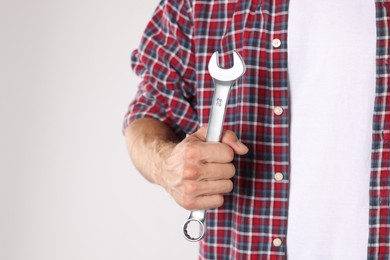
<point>331,48</point>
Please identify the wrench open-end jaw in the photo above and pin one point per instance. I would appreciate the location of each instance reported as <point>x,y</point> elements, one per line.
<point>226,75</point>
<point>223,79</point>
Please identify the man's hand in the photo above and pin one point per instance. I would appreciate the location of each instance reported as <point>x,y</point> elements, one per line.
<point>197,173</point>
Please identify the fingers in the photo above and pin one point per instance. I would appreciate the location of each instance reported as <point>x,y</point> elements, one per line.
<point>228,137</point>
<point>208,172</point>
<point>197,173</point>
<point>207,202</point>
<point>214,172</point>
<point>209,188</point>
<point>215,153</point>
<point>203,202</point>
<point>205,194</point>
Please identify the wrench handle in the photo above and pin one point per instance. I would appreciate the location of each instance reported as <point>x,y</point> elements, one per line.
<point>214,133</point>
<point>218,109</point>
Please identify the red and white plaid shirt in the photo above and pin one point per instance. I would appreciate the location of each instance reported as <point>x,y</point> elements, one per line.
<point>177,89</point>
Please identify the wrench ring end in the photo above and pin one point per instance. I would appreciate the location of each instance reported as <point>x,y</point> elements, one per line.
<point>202,231</point>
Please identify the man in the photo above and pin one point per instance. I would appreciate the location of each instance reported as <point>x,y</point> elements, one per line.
<point>312,180</point>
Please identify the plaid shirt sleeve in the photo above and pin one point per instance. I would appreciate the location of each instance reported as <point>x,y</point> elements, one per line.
<point>165,62</point>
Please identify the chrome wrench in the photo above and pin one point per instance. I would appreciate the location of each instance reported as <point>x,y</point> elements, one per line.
<point>224,80</point>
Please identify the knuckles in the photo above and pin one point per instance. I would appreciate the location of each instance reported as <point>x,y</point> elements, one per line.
<point>191,152</point>
<point>191,173</point>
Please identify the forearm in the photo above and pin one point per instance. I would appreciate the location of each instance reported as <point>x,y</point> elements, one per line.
<point>149,141</point>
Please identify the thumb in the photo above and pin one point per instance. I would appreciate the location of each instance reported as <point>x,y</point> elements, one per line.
<point>230,138</point>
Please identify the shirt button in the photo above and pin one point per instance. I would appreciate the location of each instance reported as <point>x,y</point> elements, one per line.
<point>277,242</point>
<point>279,176</point>
<point>276,43</point>
<point>278,111</point>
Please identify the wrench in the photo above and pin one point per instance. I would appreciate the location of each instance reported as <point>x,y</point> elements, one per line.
<point>223,80</point>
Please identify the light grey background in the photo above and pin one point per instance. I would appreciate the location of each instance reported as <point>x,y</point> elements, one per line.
<point>67,187</point>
